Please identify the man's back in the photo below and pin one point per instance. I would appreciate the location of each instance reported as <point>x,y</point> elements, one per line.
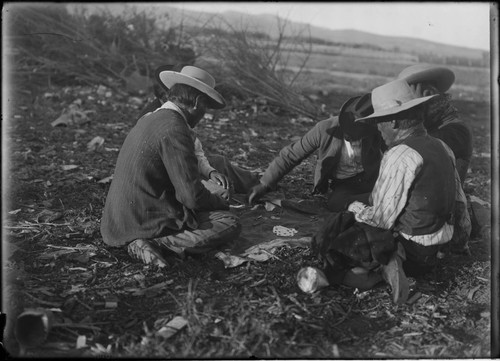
<point>156,182</point>
<point>431,199</point>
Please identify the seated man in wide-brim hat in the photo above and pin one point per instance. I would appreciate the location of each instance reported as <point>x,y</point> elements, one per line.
<point>157,203</point>
<point>441,117</point>
<point>218,173</point>
<point>415,204</point>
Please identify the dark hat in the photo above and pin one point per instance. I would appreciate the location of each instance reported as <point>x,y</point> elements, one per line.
<point>439,76</point>
<point>352,109</point>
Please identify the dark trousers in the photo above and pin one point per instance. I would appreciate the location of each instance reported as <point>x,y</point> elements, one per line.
<point>419,259</point>
<point>343,243</point>
<point>242,180</point>
<point>345,191</point>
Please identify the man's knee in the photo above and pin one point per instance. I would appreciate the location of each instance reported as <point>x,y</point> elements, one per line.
<point>219,162</point>
<point>225,223</point>
<point>419,259</point>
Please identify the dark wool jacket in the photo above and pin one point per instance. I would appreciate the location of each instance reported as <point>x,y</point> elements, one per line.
<point>459,138</point>
<point>431,202</point>
<point>326,137</point>
<point>156,188</point>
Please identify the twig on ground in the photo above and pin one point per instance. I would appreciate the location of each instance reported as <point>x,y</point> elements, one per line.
<point>70,248</point>
<point>274,256</point>
<point>42,302</point>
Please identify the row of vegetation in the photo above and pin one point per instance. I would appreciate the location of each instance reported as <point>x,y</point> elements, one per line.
<point>332,47</point>
<point>48,44</point>
<point>456,60</point>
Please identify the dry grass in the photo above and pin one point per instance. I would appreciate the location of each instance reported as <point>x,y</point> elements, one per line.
<point>253,310</point>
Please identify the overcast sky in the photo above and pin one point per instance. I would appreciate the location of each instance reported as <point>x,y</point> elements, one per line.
<point>457,23</point>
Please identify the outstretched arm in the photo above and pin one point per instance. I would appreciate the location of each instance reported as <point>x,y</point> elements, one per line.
<point>292,155</point>
<point>179,158</point>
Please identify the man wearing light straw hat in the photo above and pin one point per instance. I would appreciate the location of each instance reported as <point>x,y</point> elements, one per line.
<point>157,203</point>
<point>218,173</point>
<point>415,197</point>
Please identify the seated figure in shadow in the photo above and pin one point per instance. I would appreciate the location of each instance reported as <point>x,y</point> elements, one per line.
<point>348,157</point>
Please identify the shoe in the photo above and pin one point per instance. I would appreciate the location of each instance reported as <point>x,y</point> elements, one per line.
<point>395,276</point>
<point>142,250</point>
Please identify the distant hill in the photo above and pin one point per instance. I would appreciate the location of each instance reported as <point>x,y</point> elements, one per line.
<point>269,24</point>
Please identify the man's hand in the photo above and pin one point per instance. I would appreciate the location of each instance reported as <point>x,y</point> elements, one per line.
<point>220,179</point>
<point>256,192</point>
<point>356,207</point>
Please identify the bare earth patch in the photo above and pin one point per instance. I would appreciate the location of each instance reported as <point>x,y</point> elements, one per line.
<point>115,306</point>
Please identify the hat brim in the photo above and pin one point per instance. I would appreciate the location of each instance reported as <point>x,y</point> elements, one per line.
<point>442,78</point>
<point>170,78</point>
<point>378,116</point>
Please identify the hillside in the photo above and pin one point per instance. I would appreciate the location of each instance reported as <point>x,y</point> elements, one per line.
<point>268,24</point>
<point>350,36</point>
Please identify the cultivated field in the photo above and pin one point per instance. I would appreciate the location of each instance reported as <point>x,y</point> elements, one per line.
<point>325,71</point>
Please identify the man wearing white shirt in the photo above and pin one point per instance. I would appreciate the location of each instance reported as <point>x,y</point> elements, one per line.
<point>348,157</point>
<point>417,197</point>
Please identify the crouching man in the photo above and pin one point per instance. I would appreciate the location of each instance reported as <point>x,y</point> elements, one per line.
<point>415,204</point>
<point>349,155</point>
<point>157,203</point>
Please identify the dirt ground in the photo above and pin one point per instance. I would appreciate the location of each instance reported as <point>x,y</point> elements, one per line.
<point>110,305</point>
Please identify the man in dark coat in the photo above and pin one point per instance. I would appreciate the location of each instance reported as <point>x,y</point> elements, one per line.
<point>157,202</point>
<point>348,157</point>
<point>218,173</point>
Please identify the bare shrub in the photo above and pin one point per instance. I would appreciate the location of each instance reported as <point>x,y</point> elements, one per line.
<point>249,63</point>
<point>50,44</point>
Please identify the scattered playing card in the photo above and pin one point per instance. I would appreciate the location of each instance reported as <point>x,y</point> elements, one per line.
<point>283,231</point>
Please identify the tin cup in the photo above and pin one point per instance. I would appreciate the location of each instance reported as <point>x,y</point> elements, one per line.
<point>311,279</point>
<point>33,326</point>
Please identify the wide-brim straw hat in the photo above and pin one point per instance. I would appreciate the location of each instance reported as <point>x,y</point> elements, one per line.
<point>392,98</point>
<point>196,78</point>
<point>439,76</point>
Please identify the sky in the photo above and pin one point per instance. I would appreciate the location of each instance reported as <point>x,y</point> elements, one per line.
<point>456,23</point>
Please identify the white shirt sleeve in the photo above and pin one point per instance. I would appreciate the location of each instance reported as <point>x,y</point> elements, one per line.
<point>203,164</point>
<point>398,169</point>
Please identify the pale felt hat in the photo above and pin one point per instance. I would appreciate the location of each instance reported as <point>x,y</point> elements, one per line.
<point>196,78</point>
<point>392,98</point>
<point>439,76</point>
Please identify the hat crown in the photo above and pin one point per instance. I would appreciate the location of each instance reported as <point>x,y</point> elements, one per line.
<point>352,109</point>
<point>196,78</point>
<point>199,74</point>
<point>363,106</point>
<point>392,95</point>
<point>439,76</point>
